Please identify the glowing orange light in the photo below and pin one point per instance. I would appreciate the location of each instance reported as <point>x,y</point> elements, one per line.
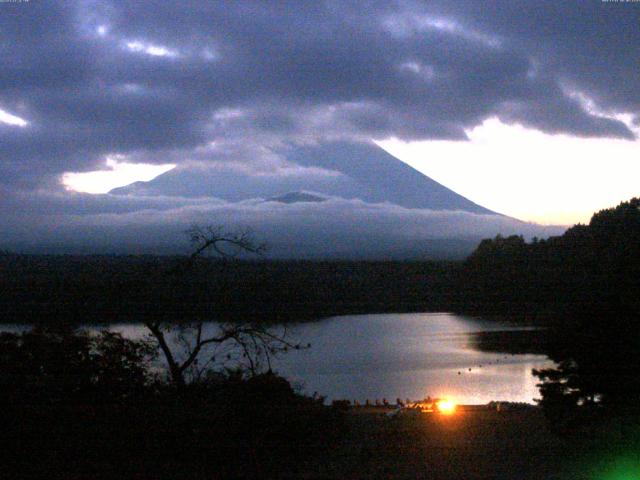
<point>446,406</point>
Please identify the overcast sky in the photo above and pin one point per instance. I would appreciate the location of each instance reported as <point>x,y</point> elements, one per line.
<point>445,85</point>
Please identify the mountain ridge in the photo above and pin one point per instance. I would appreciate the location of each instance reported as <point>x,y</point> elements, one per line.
<point>364,171</point>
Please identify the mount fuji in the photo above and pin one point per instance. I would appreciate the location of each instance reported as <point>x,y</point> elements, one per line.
<point>336,200</point>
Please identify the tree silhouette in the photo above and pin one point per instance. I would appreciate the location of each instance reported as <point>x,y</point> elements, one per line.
<point>65,365</point>
<point>247,345</point>
<point>586,285</point>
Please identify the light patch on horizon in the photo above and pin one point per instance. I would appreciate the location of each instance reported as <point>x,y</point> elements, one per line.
<point>119,174</point>
<point>13,120</point>
<point>527,174</point>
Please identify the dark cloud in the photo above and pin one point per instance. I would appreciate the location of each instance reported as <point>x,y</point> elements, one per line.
<point>241,94</point>
<point>588,43</point>
<point>146,77</point>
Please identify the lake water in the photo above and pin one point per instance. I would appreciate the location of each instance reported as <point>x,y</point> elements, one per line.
<point>408,355</point>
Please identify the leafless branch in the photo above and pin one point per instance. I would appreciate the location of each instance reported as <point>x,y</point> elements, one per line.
<point>254,344</point>
<point>225,244</point>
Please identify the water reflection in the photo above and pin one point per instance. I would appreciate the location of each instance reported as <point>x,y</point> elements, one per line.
<point>391,356</point>
<point>408,356</point>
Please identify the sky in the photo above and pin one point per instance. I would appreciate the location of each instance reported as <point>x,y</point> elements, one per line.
<point>531,109</point>
<point>557,179</point>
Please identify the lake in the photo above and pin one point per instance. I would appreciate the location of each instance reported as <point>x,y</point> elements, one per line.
<point>399,355</point>
<point>408,355</point>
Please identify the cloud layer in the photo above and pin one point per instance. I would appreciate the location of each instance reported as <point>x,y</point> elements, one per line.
<point>156,79</point>
<point>333,228</point>
<point>232,85</point>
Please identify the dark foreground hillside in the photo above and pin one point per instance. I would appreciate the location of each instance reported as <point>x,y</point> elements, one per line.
<point>296,439</point>
<point>257,428</point>
<point>508,445</point>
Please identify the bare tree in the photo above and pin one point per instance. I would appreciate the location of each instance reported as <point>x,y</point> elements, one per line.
<point>248,345</point>
<point>225,244</point>
<point>191,350</point>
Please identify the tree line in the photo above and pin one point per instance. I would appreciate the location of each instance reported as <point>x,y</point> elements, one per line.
<point>585,286</point>
<point>115,289</point>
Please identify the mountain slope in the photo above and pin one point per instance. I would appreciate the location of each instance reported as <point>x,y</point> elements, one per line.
<point>327,201</point>
<point>384,178</point>
<point>357,171</point>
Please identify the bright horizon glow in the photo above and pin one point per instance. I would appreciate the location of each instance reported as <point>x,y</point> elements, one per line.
<point>527,174</point>
<point>120,174</point>
<point>446,406</point>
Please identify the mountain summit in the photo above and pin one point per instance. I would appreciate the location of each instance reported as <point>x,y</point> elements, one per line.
<point>338,169</point>
<point>332,200</point>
